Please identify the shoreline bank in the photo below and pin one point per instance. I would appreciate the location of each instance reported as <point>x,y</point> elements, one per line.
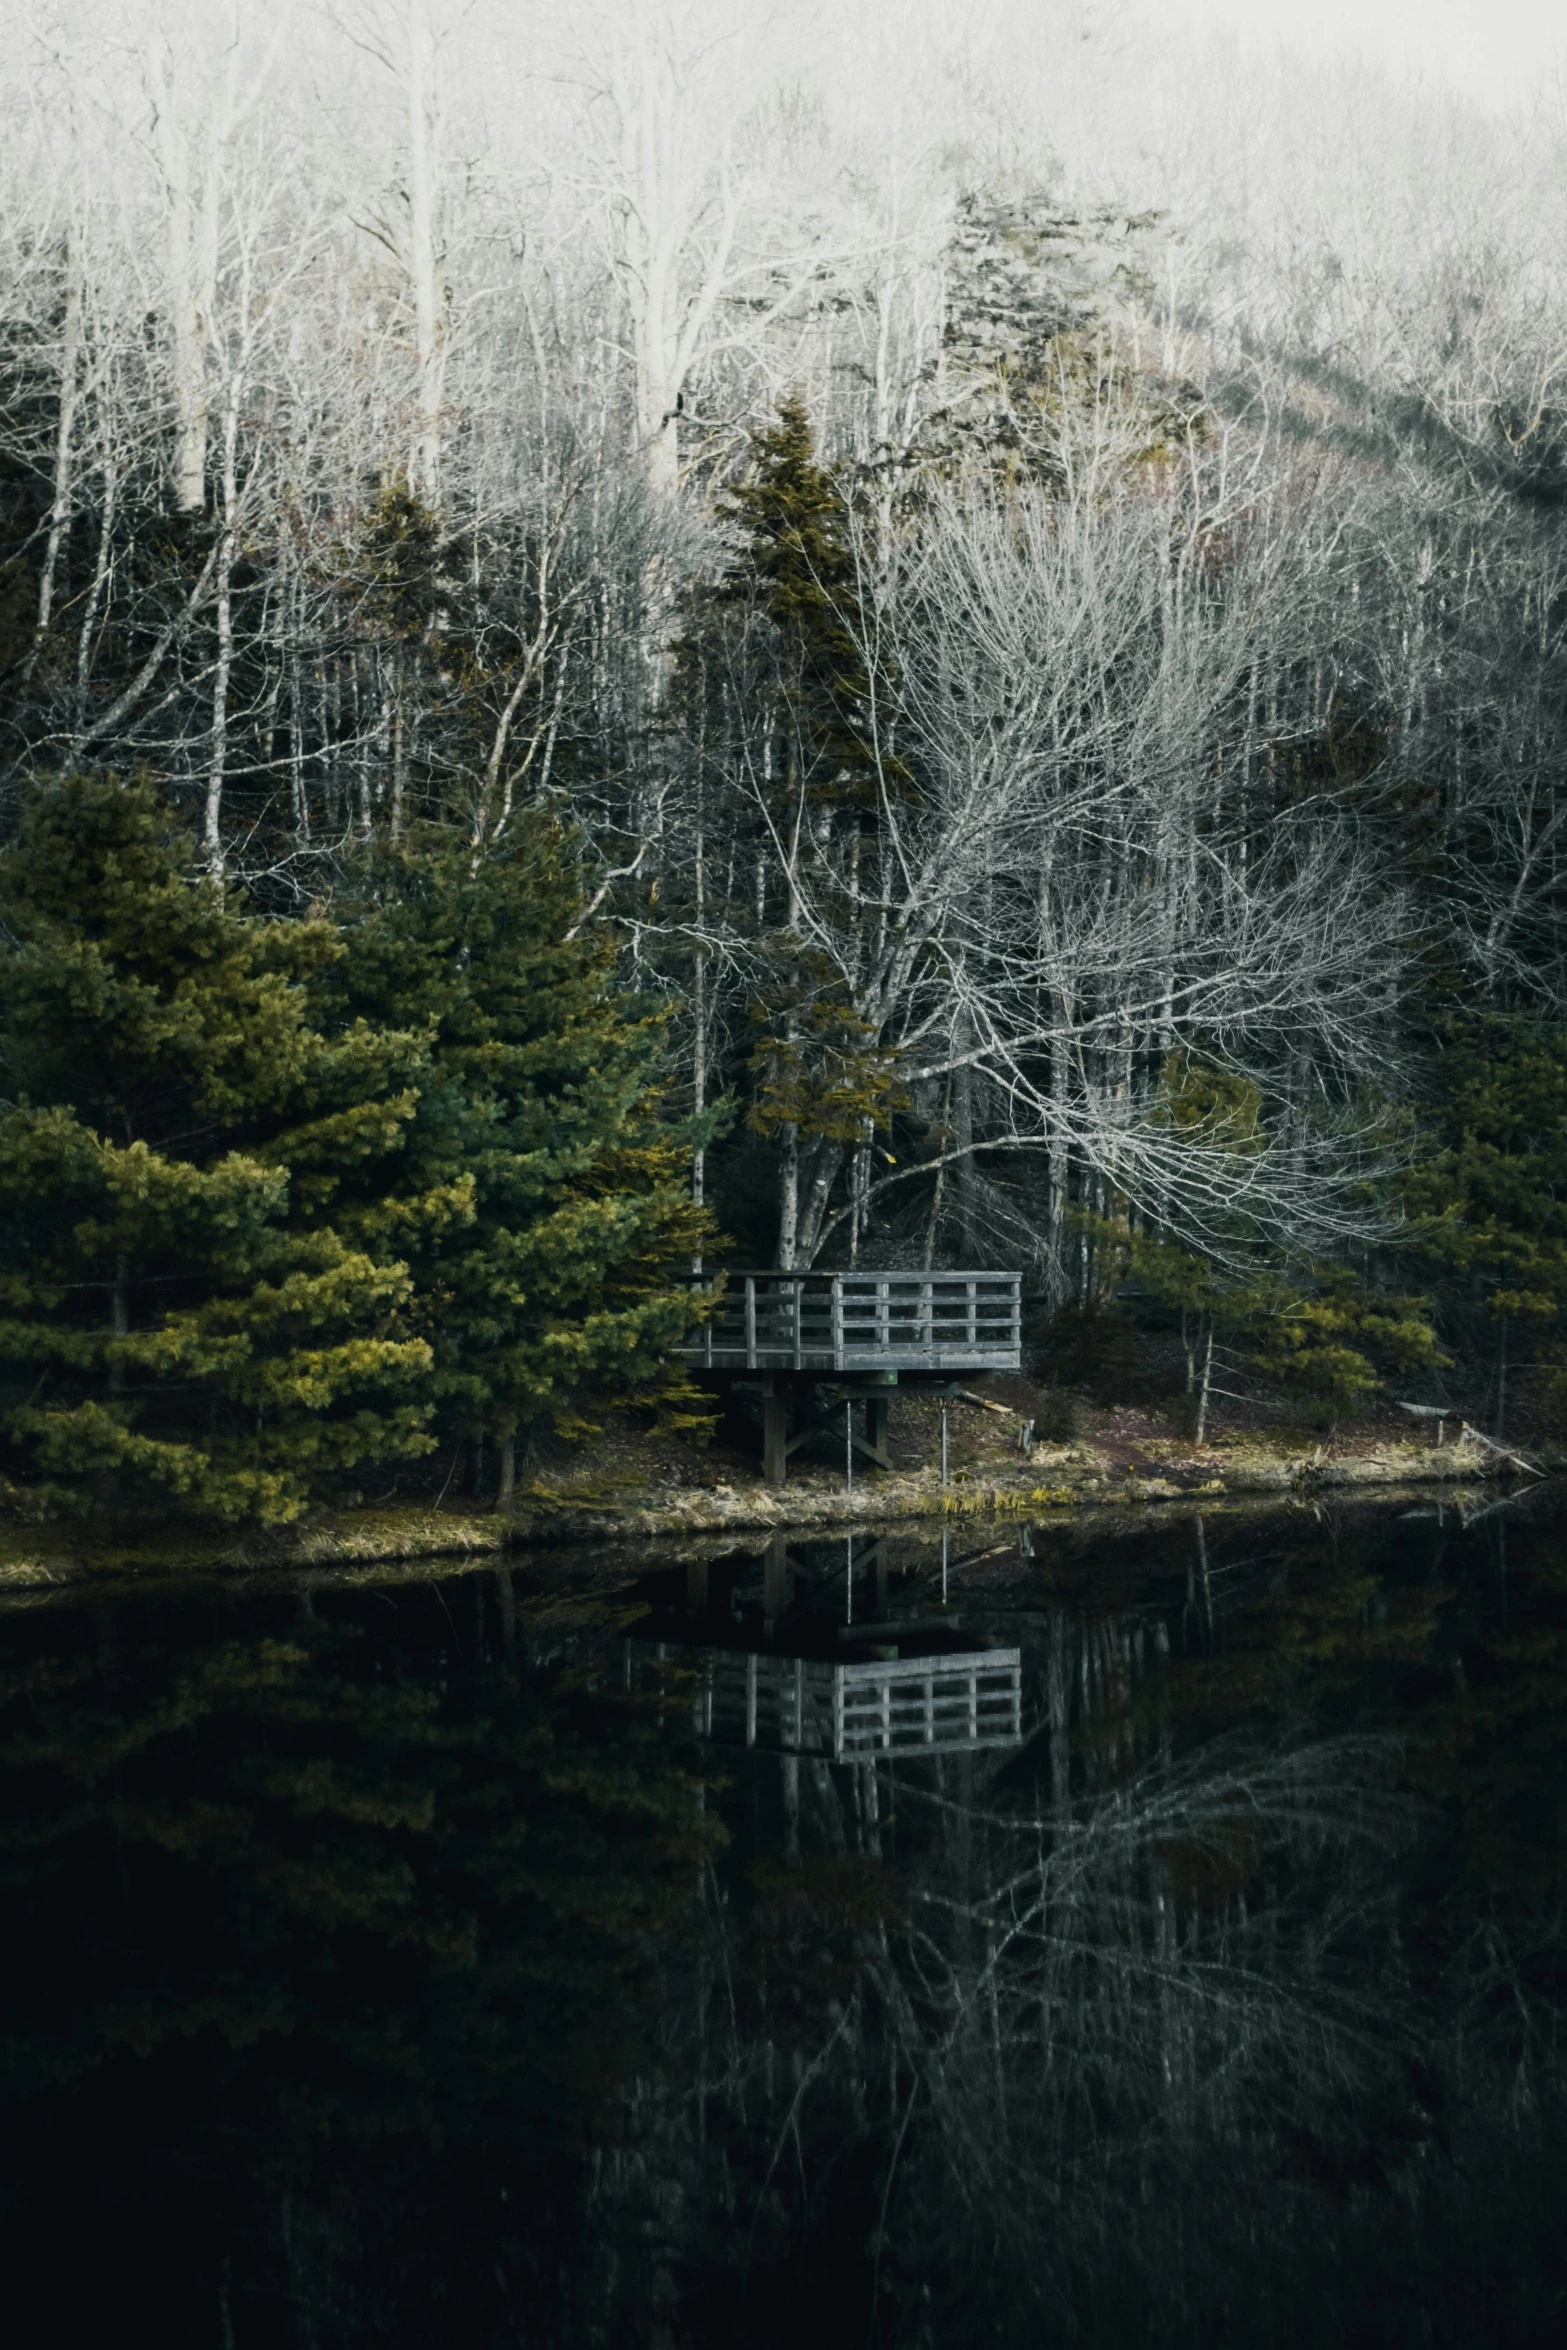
<point>1057,1483</point>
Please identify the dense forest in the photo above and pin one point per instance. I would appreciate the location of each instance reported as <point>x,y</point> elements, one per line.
<point>641,637</point>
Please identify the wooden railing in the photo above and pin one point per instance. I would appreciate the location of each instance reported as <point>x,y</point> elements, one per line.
<point>863,1322</point>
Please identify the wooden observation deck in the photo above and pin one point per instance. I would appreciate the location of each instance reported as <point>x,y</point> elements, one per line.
<point>833,1323</point>
<point>866,1332</point>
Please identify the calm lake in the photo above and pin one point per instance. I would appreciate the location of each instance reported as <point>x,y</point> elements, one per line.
<point>1147,1933</point>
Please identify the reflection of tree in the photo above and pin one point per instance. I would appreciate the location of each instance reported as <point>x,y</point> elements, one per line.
<point>349,1991</point>
<point>324,1966</point>
<point>1192,2037</point>
<point>1469,1653</point>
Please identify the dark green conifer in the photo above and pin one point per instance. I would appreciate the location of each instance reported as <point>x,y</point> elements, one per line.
<point>541,1093</point>
<point>276,1194</point>
<point>1493,1199</point>
<point>185,1316</point>
<point>797,567</point>
<point>785,639</point>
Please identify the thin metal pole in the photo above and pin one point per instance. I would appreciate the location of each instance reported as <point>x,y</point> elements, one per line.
<point>848,1444</point>
<point>945,1539</point>
<point>943,1444</point>
<point>848,1575</point>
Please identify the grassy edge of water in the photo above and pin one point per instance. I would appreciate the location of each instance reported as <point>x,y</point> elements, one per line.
<point>582,1510</point>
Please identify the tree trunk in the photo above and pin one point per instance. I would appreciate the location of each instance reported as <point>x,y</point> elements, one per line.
<point>399,748</point>
<point>119,1318</point>
<point>826,1159</point>
<point>192,271</point>
<point>1201,1430</point>
<point>963,1166</point>
<point>224,666</point>
<point>424,256</point>
<point>106,1485</point>
<point>102,561</point>
<point>296,719</point>
<point>60,510</point>
<point>699,1039</point>
<point>788,1198</point>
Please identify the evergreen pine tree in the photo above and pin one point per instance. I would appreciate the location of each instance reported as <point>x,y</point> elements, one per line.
<point>182,1321</point>
<point>541,1093</point>
<point>784,639</point>
<point>1493,1199</point>
<point>797,566</point>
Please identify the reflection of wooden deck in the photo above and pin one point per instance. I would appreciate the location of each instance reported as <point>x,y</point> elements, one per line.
<point>898,1705</point>
<point>868,1322</point>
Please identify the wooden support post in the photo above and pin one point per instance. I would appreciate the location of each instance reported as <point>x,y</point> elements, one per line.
<point>876,1410</point>
<point>696,1587</point>
<point>775,1432</point>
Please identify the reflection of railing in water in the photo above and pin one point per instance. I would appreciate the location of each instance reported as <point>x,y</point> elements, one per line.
<point>894,1705</point>
<point>863,1321</point>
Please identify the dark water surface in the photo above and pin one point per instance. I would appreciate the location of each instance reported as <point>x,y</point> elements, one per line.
<point>433,1963</point>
